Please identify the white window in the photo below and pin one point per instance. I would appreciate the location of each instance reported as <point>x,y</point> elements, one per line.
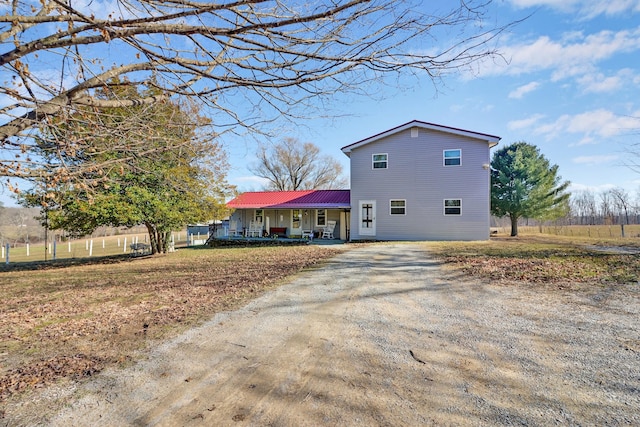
<point>398,207</point>
<point>380,161</point>
<point>452,157</point>
<point>452,206</point>
<point>321,217</point>
<point>259,215</point>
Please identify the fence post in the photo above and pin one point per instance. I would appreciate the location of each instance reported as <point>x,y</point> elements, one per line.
<point>7,259</point>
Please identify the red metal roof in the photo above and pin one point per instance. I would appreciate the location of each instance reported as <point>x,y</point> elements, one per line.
<point>306,199</point>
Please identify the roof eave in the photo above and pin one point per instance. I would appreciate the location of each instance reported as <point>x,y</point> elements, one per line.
<point>492,140</point>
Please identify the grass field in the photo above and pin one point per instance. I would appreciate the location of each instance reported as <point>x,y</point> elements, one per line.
<point>632,232</point>
<point>81,248</point>
<point>60,321</point>
<point>64,321</point>
<point>543,260</point>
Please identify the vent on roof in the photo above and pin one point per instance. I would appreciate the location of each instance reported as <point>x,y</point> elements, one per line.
<point>414,132</point>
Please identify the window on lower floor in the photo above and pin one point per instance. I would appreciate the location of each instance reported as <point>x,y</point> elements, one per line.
<point>259,215</point>
<point>321,217</point>
<point>398,207</point>
<point>452,206</point>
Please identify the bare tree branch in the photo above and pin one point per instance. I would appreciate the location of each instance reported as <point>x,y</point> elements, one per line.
<point>293,165</point>
<point>248,62</point>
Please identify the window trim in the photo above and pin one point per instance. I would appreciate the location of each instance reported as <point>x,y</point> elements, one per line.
<point>385,161</point>
<point>445,158</point>
<point>318,218</point>
<point>403,207</point>
<point>445,207</point>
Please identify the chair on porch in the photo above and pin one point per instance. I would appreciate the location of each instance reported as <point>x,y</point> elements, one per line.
<point>233,228</point>
<point>327,232</point>
<point>255,229</point>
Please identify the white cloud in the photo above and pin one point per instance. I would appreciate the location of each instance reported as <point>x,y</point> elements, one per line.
<point>575,187</point>
<point>593,125</point>
<point>587,140</point>
<point>523,90</point>
<point>524,123</point>
<point>599,83</point>
<point>249,183</point>
<point>586,9</point>
<point>574,54</point>
<point>595,160</point>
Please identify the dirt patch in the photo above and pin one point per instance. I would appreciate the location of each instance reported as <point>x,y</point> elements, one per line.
<point>380,336</point>
<point>623,250</point>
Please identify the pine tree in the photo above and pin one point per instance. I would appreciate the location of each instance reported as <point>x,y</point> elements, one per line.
<point>525,185</point>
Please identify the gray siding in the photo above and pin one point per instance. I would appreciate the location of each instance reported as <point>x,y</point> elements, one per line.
<point>416,174</point>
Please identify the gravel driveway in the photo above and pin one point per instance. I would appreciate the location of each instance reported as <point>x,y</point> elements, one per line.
<point>382,336</point>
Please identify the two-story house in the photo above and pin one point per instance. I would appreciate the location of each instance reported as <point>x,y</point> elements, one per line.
<point>417,181</point>
<point>421,181</point>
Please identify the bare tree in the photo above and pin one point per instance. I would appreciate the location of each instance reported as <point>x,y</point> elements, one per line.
<point>249,62</point>
<point>606,208</point>
<point>292,165</point>
<point>623,204</point>
<point>584,206</point>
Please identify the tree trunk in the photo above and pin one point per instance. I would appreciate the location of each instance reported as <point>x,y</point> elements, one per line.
<point>159,239</point>
<point>514,225</point>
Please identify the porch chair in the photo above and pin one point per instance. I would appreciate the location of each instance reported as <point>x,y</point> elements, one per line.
<point>255,229</point>
<point>233,228</point>
<point>327,232</point>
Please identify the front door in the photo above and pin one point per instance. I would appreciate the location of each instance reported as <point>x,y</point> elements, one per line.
<point>296,222</point>
<point>367,226</point>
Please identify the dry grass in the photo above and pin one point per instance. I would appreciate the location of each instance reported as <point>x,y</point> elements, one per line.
<point>605,233</point>
<point>541,260</point>
<point>68,321</point>
<point>72,318</point>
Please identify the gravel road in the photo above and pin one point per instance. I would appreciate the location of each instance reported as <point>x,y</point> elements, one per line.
<point>382,336</point>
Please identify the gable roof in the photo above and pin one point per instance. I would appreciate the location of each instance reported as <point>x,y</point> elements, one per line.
<point>305,199</point>
<point>492,140</point>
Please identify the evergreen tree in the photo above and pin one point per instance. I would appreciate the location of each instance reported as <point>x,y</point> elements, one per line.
<point>525,185</point>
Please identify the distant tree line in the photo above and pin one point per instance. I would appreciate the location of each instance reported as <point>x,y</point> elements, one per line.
<point>610,207</point>
<point>614,206</point>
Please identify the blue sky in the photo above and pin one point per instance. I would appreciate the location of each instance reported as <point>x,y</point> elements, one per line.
<point>569,84</point>
<point>571,87</point>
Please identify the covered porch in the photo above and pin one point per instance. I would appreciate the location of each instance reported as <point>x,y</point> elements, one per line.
<point>309,214</point>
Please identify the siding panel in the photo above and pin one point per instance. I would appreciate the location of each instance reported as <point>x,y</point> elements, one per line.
<point>416,174</point>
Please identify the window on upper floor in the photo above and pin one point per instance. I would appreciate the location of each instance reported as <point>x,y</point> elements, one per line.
<point>380,161</point>
<point>452,157</point>
<point>452,206</point>
<point>398,207</point>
